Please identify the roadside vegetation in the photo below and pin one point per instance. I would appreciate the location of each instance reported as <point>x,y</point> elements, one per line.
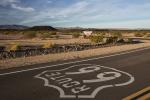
<point>107,37</point>
<point>27,43</point>
<point>95,40</point>
<point>30,35</point>
<point>76,35</point>
<point>48,45</point>
<point>12,47</point>
<point>142,34</point>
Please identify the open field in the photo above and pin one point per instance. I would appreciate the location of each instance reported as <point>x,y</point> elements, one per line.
<point>67,39</point>
<point>41,42</point>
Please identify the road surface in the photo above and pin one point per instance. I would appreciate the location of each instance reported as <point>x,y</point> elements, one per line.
<point>107,77</point>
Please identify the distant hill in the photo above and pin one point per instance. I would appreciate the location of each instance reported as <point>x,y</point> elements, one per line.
<point>22,27</point>
<point>36,28</point>
<point>15,27</point>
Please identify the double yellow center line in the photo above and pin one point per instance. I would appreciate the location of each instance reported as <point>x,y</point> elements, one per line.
<point>143,94</point>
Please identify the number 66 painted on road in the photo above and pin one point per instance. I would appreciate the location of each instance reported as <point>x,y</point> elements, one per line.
<point>105,76</point>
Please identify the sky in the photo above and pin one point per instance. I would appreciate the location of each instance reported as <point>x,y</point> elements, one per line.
<point>77,13</point>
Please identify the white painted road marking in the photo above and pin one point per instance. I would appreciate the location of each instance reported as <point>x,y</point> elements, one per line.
<point>85,70</point>
<point>101,77</point>
<point>20,71</point>
<point>72,85</point>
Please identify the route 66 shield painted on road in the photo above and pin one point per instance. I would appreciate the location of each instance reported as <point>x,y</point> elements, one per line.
<point>84,80</point>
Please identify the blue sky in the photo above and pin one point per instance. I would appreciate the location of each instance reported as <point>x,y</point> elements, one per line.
<point>77,13</point>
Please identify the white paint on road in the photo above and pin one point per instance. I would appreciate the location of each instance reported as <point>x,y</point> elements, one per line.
<point>101,77</point>
<point>73,62</point>
<point>85,70</point>
<point>113,76</point>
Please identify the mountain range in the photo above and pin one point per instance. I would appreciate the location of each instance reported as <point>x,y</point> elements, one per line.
<point>16,27</point>
<point>22,27</point>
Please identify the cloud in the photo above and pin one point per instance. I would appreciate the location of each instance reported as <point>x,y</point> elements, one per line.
<point>90,13</point>
<point>7,2</point>
<point>77,8</point>
<point>58,14</point>
<point>13,4</point>
<point>25,9</point>
<point>49,1</point>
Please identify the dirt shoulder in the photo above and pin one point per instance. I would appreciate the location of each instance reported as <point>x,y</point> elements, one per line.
<point>19,62</point>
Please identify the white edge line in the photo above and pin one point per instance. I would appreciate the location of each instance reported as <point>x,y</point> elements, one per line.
<point>14,72</point>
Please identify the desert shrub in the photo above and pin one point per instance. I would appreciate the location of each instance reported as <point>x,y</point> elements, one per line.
<point>53,33</point>
<point>21,32</point>
<point>108,40</point>
<point>30,34</point>
<point>147,35</point>
<point>120,40</point>
<point>46,35</point>
<point>137,34</point>
<point>12,47</point>
<point>39,35</point>
<point>116,34</point>
<point>111,40</point>
<point>129,40</point>
<point>86,37</point>
<point>5,32</point>
<point>96,38</point>
<point>76,35</point>
<point>99,33</point>
<point>48,45</point>
<point>56,36</point>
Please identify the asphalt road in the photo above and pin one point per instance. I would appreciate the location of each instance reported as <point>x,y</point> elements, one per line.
<point>107,77</point>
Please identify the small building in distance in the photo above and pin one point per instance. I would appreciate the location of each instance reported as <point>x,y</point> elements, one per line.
<point>87,33</point>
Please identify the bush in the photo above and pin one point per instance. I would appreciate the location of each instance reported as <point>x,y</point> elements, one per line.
<point>30,34</point>
<point>102,33</point>
<point>128,40</point>
<point>147,35</point>
<point>96,39</point>
<point>116,34</point>
<point>56,36</point>
<point>86,37</point>
<point>120,40</point>
<point>53,33</point>
<point>12,47</point>
<point>46,35</point>
<point>138,34</point>
<point>111,40</point>
<point>76,35</point>
<point>48,45</point>
<point>39,35</point>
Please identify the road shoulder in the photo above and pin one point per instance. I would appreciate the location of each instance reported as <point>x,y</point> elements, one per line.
<point>25,61</point>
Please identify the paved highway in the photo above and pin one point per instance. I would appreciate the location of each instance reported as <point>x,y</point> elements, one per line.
<point>107,77</point>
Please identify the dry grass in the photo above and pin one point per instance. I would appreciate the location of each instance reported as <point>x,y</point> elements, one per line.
<point>41,42</point>
<point>70,55</point>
